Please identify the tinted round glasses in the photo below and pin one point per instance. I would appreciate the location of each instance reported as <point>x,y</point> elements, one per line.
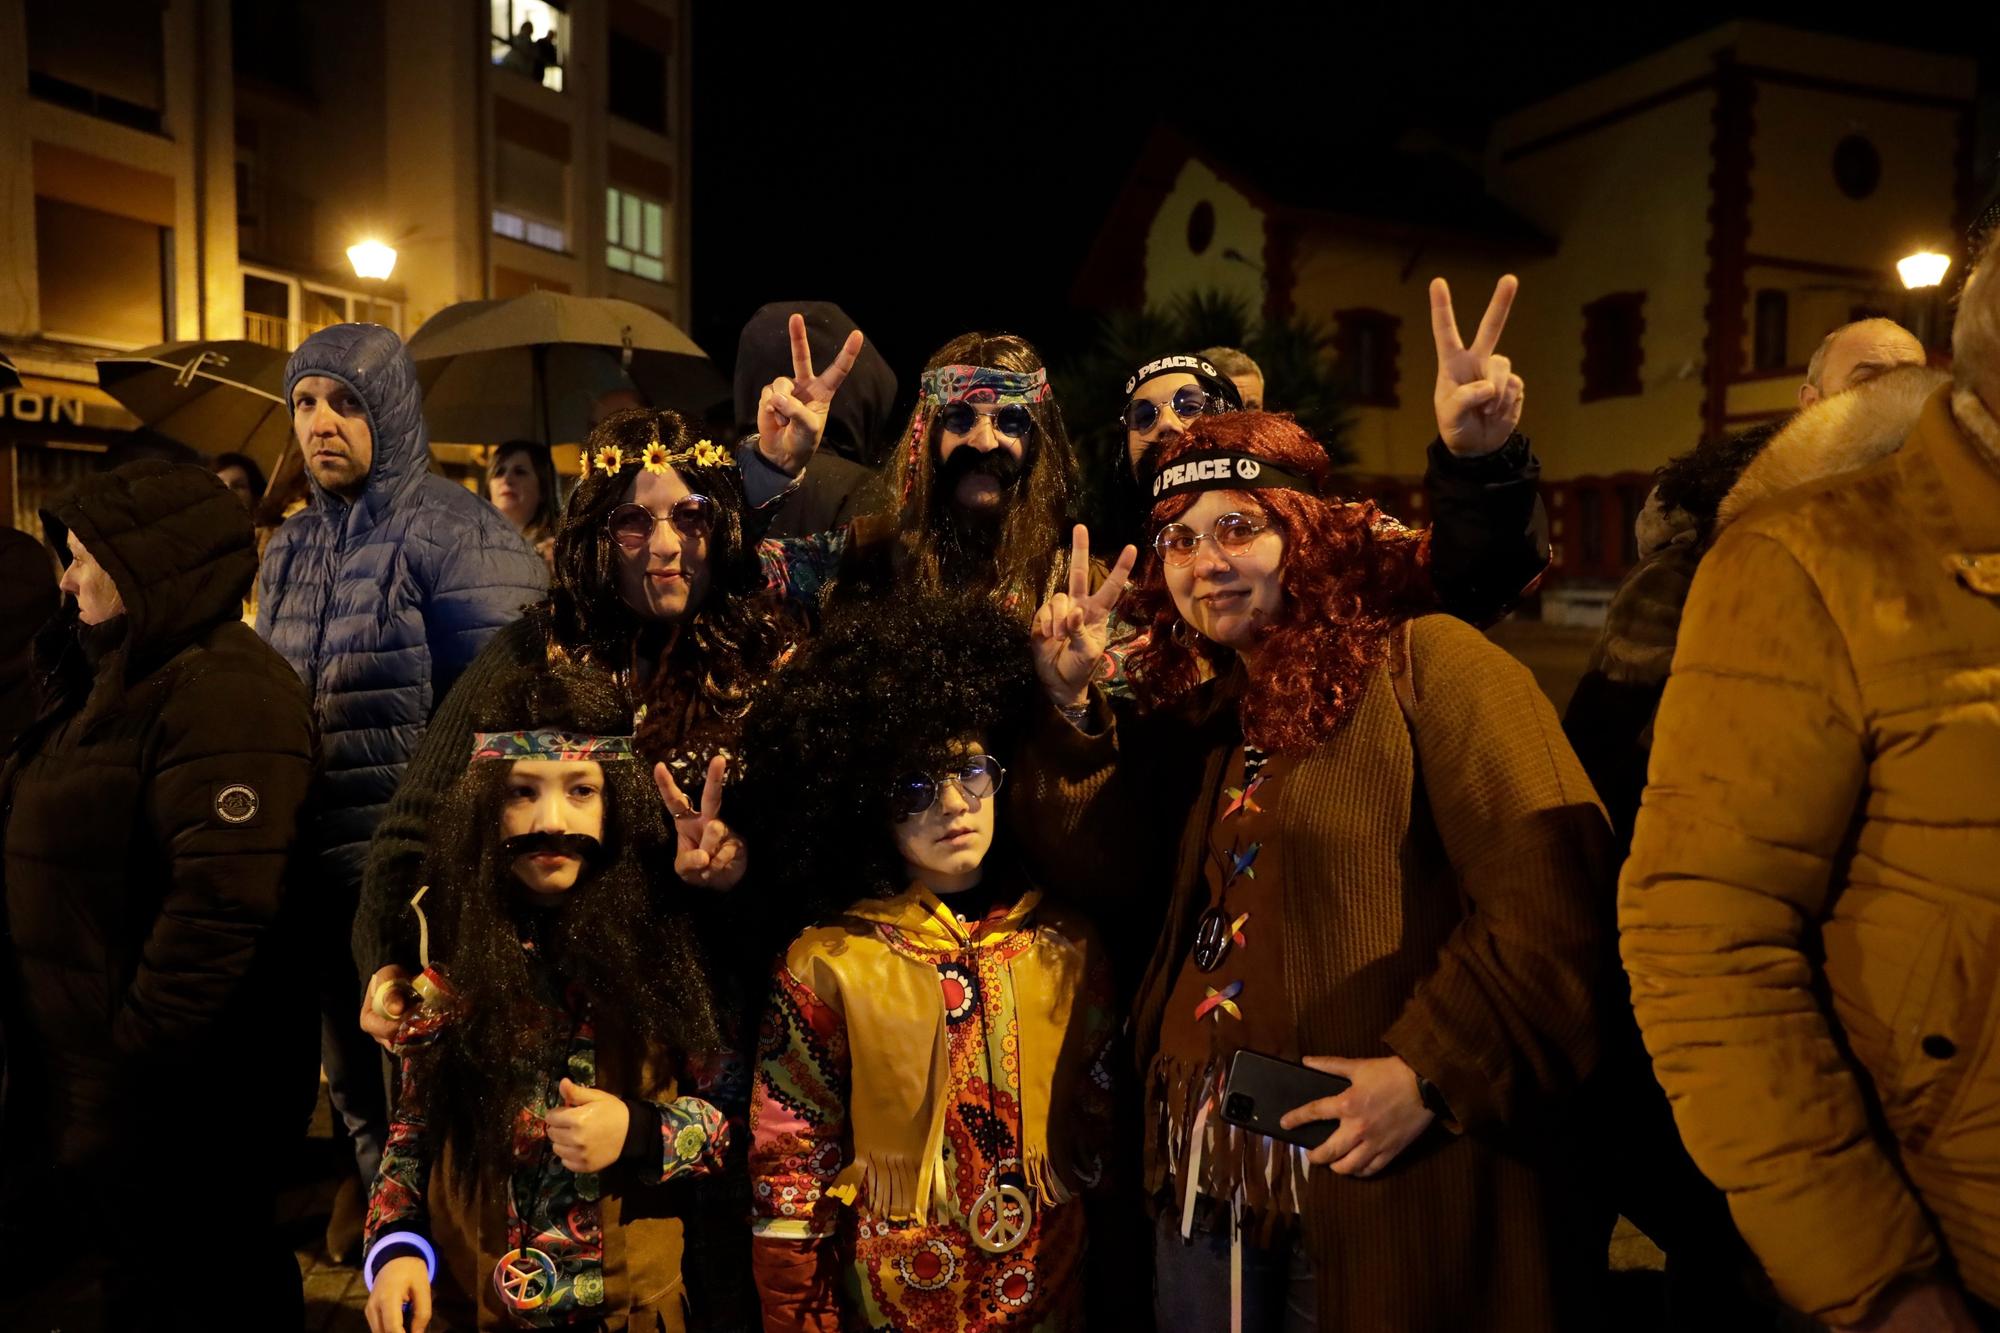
<point>1232,535</point>
<point>1189,401</point>
<point>913,793</point>
<point>1014,421</point>
<point>632,525</point>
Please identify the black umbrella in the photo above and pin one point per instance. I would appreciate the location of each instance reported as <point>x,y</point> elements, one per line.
<point>217,397</point>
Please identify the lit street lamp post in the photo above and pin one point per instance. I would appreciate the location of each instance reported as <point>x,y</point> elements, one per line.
<point>1921,273</point>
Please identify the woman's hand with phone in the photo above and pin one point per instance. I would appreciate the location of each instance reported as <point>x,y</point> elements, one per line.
<point>1380,1114</point>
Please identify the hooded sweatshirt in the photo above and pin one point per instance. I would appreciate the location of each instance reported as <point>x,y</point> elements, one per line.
<point>379,602</point>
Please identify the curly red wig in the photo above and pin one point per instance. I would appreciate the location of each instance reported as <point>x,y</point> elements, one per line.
<point>1347,576</point>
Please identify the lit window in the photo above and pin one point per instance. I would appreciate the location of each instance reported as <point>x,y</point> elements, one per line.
<point>635,235</point>
<point>531,38</point>
<point>538,234</point>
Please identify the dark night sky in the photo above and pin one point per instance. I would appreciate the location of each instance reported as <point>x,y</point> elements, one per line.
<point>949,172</point>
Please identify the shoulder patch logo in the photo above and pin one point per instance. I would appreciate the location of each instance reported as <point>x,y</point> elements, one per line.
<point>236,804</point>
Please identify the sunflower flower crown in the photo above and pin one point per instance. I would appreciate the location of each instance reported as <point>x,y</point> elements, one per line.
<point>656,457</point>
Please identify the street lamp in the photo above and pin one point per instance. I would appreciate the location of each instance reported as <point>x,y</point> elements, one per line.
<point>372,259</point>
<point>1925,268</point>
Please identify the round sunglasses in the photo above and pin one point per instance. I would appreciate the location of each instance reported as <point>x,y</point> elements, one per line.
<point>1014,420</point>
<point>913,793</point>
<point>1232,535</point>
<point>631,525</point>
<point>1189,401</point>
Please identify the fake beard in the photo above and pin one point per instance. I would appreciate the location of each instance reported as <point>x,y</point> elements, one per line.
<point>973,534</point>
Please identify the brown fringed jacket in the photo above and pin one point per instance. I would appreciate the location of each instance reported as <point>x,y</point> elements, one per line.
<point>1446,889</point>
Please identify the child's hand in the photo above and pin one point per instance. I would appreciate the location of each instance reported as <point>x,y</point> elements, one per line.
<point>402,1281</point>
<point>588,1129</point>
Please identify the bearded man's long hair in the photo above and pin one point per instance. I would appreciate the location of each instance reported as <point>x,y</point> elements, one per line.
<point>1012,556</point>
<point>621,936</point>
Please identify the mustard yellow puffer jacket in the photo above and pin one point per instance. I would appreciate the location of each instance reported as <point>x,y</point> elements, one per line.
<point>1811,912</point>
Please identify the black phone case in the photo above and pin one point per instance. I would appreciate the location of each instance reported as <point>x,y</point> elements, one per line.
<point>1261,1088</point>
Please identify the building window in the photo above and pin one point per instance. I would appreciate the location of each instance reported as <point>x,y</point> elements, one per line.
<point>1613,327</point>
<point>1770,349</point>
<point>1200,227</point>
<point>103,278</point>
<point>636,90</point>
<point>530,196</point>
<point>635,234</point>
<point>1590,528</point>
<point>1366,344</point>
<point>531,37</point>
<point>115,70</point>
<point>1857,166</point>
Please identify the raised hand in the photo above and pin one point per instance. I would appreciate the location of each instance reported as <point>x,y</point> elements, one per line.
<point>588,1129</point>
<point>791,410</point>
<point>706,851</point>
<point>388,990</point>
<point>1478,396</point>
<point>1071,630</point>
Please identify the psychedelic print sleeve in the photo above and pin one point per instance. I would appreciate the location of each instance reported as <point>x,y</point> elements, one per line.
<point>694,1136</point>
<point>798,1115</point>
<point>397,1202</point>
<point>799,568</point>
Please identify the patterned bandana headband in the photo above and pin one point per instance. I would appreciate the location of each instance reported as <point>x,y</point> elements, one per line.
<point>565,746</point>
<point>1226,472</point>
<point>983,384</point>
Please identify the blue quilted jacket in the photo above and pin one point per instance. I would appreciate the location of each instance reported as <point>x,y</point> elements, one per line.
<point>379,603</point>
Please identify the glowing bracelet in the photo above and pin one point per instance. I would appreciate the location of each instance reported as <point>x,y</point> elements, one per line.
<point>368,1265</point>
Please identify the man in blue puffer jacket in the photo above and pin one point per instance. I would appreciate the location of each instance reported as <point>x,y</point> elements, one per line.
<point>378,593</point>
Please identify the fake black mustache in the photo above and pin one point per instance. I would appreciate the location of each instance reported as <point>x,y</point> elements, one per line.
<point>545,843</point>
<point>965,461</point>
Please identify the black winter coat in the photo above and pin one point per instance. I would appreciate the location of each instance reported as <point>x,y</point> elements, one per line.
<point>146,821</point>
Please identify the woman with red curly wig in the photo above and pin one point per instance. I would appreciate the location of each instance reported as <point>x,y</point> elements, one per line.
<point>1390,867</point>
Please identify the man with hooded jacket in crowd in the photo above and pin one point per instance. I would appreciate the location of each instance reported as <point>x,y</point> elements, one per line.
<point>379,593</point>
<point>157,1026</point>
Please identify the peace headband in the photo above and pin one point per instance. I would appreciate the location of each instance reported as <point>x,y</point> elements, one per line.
<point>984,384</point>
<point>1226,472</point>
<point>567,746</point>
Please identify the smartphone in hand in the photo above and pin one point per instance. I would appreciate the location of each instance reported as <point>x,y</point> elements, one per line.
<point>1261,1088</point>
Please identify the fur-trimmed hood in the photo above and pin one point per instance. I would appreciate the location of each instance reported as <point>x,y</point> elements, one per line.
<point>1840,434</point>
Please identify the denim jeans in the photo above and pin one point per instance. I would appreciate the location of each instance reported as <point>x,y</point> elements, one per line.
<point>1191,1283</point>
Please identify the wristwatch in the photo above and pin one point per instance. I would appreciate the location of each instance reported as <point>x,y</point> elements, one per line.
<point>1432,1098</point>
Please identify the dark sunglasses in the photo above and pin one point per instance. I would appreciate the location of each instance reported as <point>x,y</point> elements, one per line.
<point>1014,421</point>
<point>1232,535</point>
<point>914,793</point>
<point>632,525</point>
<point>1189,401</point>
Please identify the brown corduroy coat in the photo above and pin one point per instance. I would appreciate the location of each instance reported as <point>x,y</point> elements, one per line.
<point>1447,896</point>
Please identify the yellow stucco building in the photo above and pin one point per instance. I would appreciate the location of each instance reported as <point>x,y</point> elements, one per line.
<point>1686,229</point>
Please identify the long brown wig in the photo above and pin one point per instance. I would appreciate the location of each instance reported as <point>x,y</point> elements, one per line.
<point>1347,577</point>
<point>941,550</point>
<point>727,642</point>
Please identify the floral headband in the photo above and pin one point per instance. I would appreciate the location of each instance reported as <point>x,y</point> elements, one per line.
<point>983,384</point>
<point>656,458</point>
<point>565,746</point>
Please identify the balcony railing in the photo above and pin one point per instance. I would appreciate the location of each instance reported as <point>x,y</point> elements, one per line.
<point>277,331</point>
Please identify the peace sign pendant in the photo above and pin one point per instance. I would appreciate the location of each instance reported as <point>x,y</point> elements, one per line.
<point>1212,939</point>
<point>1013,1213</point>
<point>525,1278</point>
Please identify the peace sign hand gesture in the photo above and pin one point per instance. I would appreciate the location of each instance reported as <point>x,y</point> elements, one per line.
<point>1478,397</point>
<point>707,852</point>
<point>791,410</point>
<point>1071,630</point>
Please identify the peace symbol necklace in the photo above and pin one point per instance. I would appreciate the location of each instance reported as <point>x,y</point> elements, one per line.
<point>1003,1214</point>
<point>1217,933</point>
